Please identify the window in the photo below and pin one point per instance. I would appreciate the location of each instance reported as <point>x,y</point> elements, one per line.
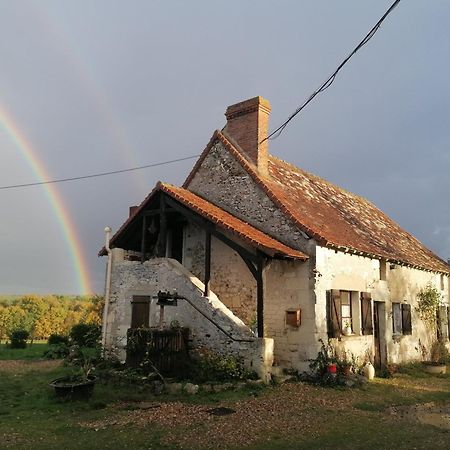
<point>442,282</point>
<point>349,313</point>
<point>140,311</point>
<point>401,318</point>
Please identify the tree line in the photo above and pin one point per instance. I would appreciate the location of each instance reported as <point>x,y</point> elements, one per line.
<point>42,316</point>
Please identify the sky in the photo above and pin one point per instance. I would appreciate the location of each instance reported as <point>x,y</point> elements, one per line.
<point>89,86</point>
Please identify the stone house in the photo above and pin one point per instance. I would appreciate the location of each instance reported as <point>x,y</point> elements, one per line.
<point>268,260</point>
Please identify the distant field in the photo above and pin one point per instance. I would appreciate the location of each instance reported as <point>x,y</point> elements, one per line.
<point>34,351</point>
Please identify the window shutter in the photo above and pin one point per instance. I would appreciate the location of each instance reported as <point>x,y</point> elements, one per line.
<point>448,322</point>
<point>140,311</point>
<point>443,322</point>
<point>406,319</point>
<point>366,313</point>
<point>334,313</point>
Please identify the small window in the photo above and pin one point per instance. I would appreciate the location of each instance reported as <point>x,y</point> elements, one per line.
<point>383,269</point>
<point>442,282</point>
<point>401,318</point>
<point>140,311</point>
<point>339,313</point>
<point>346,312</point>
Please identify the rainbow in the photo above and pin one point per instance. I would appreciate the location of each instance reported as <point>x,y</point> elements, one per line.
<point>61,212</point>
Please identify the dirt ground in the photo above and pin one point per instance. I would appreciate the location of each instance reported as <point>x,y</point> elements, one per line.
<point>23,365</point>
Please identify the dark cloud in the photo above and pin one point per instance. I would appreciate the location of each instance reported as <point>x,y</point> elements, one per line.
<point>102,85</point>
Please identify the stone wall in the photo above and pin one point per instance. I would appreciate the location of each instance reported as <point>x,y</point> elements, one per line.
<point>222,180</point>
<point>134,278</point>
<point>231,279</point>
<point>343,271</point>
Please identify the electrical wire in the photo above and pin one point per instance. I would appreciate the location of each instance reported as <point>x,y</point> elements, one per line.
<point>329,81</point>
<point>95,175</point>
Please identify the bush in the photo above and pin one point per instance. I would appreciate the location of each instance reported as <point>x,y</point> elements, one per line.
<point>85,334</point>
<point>210,366</point>
<point>57,351</point>
<point>58,339</point>
<point>19,338</point>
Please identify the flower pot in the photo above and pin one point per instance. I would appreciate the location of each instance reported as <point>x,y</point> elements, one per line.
<point>67,388</point>
<point>346,371</point>
<point>434,368</point>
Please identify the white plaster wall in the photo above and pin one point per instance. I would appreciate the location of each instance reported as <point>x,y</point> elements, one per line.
<point>288,286</point>
<point>134,278</point>
<point>344,271</point>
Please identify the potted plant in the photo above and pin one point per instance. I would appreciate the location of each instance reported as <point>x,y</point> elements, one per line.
<point>347,328</point>
<point>80,384</point>
<point>346,364</point>
<point>438,357</point>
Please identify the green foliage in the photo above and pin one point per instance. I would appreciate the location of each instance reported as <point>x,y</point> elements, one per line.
<point>325,357</point>
<point>210,366</point>
<point>438,352</point>
<point>57,351</point>
<point>46,315</point>
<point>58,339</point>
<point>428,300</point>
<point>19,338</point>
<point>85,334</point>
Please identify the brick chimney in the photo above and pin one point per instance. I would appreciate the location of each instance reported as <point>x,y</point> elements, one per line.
<point>248,125</point>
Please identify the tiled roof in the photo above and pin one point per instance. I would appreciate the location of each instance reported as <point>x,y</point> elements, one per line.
<point>228,222</point>
<point>221,219</point>
<point>334,217</point>
<point>343,219</point>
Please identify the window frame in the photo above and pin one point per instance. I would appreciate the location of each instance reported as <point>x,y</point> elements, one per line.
<point>401,319</point>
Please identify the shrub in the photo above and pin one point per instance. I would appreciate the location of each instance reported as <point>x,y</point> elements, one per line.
<point>210,366</point>
<point>57,351</point>
<point>85,334</point>
<point>58,339</point>
<point>19,338</point>
<point>438,353</point>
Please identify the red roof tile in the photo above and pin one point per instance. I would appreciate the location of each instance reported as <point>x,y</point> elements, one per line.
<point>221,219</point>
<point>333,216</point>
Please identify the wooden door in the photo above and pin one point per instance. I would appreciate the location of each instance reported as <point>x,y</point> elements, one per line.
<point>379,324</point>
<point>140,311</point>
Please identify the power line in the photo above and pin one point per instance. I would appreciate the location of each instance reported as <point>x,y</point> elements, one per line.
<point>95,175</point>
<point>276,133</point>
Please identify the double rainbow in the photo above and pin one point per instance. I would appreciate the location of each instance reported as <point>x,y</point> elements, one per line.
<point>60,210</point>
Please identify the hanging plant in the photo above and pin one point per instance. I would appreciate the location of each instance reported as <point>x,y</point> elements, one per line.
<point>428,300</point>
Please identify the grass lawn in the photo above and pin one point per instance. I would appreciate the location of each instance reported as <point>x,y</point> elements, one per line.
<point>294,416</point>
<point>33,351</point>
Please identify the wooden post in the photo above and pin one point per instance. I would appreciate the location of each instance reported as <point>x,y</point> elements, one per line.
<point>162,238</point>
<point>260,296</point>
<point>207,262</point>
<point>143,238</point>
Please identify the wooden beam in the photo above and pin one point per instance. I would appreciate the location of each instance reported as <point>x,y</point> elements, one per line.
<point>260,296</point>
<point>248,257</point>
<point>143,238</point>
<point>162,237</point>
<point>156,212</point>
<point>207,262</point>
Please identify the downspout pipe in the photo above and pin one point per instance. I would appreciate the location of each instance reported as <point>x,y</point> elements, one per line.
<point>107,286</point>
